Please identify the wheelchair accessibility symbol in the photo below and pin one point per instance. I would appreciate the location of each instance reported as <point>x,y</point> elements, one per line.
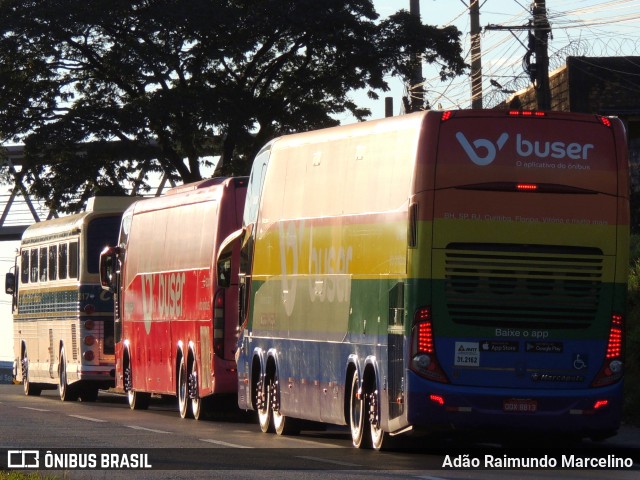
<point>580,361</point>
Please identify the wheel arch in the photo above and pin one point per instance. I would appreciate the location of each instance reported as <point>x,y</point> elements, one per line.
<point>257,372</point>
<point>371,375</point>
<point>176,372</point>
<point>352,367</point>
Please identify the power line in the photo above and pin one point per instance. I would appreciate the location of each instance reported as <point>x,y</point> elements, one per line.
<point>502,53</point>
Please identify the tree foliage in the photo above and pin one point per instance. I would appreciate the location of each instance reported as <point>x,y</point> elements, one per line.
<point>100,90</point>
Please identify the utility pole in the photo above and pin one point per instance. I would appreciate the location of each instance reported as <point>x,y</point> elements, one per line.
<point>541,30</point>
<point>416,88</point>
<point>476,59</point>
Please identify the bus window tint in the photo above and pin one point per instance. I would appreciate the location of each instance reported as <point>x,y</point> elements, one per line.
<point>73,259</point>
<point>62,261</point>
<point>53,262</point>
<point>24,266</point>
<point>34,265</point>
<point>101,232</point>
<point>124,230</point>
<point>43,264</point>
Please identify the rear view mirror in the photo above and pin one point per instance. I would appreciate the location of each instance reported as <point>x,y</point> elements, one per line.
<point>108,268</point>
<point>10,283</point>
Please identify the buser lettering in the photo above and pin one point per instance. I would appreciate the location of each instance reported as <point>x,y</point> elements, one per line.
<point>162,295</point>
<point>559,150</point>
<point>325,263</point>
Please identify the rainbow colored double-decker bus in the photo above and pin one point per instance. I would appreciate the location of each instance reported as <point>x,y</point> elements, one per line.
<point>460,269</point>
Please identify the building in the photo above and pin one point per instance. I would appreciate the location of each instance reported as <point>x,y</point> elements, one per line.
<point>600,85</point>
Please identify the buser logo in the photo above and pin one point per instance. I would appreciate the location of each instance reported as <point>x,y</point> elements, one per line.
<point>482,145</point>
<point>483,151</point>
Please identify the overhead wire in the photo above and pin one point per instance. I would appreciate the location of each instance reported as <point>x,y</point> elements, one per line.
<point>501,54</point>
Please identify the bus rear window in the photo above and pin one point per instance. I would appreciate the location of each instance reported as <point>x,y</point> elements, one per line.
<point>101,232</point>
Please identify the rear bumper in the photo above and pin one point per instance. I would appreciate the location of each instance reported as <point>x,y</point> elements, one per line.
<point>473,408</point>
<point>105,375</point>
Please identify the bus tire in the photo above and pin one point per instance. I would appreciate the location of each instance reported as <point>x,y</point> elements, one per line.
<point>377,435</point>
<point>183,390</point>
<point>197,403</point>
<point>360,435</point>
<point>30,389</point>
<point>136,400</point>
<point>263,404</point>
<point>282,424</point>
<point>68,393</point>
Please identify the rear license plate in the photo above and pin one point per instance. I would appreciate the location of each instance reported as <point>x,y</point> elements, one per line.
<point>520,405</point>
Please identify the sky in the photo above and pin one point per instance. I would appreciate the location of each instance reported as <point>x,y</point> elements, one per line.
<point>589,28</point>
<point>579,28</point>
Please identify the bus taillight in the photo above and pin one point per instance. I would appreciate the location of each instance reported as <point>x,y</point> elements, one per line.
<point>600,404</point>
<point>605,121</point>
<point>526,113</point>
<point>614,346</point>
<point>423,352</point>
<point>218,323</point>
<point>611,370</point>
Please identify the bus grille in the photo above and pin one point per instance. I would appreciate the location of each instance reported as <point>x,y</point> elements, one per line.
<point>528,286</point>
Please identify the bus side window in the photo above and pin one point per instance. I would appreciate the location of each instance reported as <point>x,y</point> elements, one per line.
<point>24,266</point>
<point>34,265</point>
<point>53,262</point>
<point>43,263</point>
<point>62,261</point>
<point>73,259</point>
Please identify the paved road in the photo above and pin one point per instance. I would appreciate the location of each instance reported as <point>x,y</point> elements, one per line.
<point>230,445</point>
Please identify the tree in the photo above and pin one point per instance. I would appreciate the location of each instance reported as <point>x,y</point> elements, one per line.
<point>98,91</point>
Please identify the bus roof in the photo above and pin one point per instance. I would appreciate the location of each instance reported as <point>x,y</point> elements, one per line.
<point>200,191</point>
<point>72,224</point>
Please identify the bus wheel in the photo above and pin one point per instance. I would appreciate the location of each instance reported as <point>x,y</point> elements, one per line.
<point>67,392</point>
<point>194,394</point>
<point>263,404</point>
<point>183,390</point>
<point>282,424</point>
<point>378,436</point>
<point>359,434</point>
<point>137,400</point>
<point>30,389</point>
